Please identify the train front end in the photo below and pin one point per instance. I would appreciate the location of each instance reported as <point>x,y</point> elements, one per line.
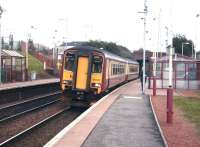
<point>82,71</point>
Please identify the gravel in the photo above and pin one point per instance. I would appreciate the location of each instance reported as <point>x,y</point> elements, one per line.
<point>14,126</point>
<point>179,134</point>
<point>42,135</point>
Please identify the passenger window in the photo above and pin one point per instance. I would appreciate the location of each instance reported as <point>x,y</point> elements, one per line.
<point>97,64</point>
<point>69,61</point>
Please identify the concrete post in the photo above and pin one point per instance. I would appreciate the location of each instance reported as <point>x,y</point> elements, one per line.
<point>170,90</point>
<point>170,104</point>
<point>154,75</point>
<point>154,86</point>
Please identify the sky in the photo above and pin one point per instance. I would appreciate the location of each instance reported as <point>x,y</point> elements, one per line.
<point>118,21</point>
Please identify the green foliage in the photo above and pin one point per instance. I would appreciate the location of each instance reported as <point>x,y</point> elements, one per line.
<point>191,109</point>
<point>34,65</point>
<point>178,41</point>
<point>18,46</point>
<point>37,66</point>
<point>110,47</point>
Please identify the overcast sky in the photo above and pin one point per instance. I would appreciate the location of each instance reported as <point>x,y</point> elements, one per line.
<point>108,20</point>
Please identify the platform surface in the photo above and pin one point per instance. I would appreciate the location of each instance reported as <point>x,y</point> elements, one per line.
<point>14,85</point>
<point>122,119</point>
<point>129,122</point>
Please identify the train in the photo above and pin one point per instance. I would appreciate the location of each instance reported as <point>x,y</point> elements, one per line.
<point>89,70</point>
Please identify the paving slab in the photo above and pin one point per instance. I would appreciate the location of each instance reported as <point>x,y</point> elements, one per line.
<point>121,118</point>
<point>128,122</point>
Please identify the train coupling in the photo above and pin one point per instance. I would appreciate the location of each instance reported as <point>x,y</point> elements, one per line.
<point>80,95</point>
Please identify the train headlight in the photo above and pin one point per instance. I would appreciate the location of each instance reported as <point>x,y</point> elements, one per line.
<point>96,85</point>
<point>67,82</point>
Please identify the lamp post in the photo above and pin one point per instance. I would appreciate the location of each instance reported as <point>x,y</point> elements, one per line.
<point>144,56</point>
<point>167,33</point>
<point>27,48</point>
<point>183,46</point>
<point>192,49</point>
<point>65,20</point>
<point>170,88</point>
<point>197,16</point>
<point>155,56</point>
<point>1,11</point>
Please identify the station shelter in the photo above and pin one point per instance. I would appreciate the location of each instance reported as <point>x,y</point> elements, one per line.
<point>186,72</point>
<point>13,66</point>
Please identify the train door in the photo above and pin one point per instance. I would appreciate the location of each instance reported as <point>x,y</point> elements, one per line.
<point>82,73</point>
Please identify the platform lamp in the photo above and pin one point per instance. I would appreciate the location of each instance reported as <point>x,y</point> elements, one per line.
<point>154,75</point>
<point>1,11</point>
<point>144,51</point>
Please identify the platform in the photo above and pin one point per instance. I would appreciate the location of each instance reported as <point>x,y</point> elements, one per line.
<point>14,85</point>
<point>122,118</point>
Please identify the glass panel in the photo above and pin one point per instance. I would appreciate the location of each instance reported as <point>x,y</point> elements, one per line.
<point>192,71</point>
<point>165,66</point>
<point>158,74</point>
<point>180,74</point>
<point>133,68</point>
<point>192,75</point>
<point>18,67</point>
<point>158,66</point>
<point>180,66</point>
<point>165,74</point>
<point>97,64</point>
<point>69,61</point>
<point>111,69</point>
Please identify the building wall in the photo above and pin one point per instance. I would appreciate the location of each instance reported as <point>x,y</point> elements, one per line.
<point>186,75</point>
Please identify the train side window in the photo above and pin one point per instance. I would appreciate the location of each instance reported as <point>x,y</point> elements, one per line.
<point>97,64</point>
<point>114,69</point>
<point>69,61</point>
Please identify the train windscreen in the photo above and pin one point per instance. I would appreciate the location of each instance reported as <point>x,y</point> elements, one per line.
<point>69,61</point>
<point>97,64</point>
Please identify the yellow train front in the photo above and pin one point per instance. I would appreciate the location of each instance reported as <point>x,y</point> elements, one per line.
<point>82,72</point>
<point>87,70</point>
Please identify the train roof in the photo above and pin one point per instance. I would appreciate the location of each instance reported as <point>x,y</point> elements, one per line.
<point>106,53</point>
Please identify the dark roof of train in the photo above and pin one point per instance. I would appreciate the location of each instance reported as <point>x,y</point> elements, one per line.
<point>106,53</point>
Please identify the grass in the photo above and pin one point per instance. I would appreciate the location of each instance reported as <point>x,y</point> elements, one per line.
<point>34,64</point>
<point>190,108</point>
<point>37,66</point>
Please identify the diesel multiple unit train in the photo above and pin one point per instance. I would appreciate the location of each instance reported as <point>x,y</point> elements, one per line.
<point>88,70</point>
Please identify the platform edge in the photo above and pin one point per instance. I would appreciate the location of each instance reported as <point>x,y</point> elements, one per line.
<point>156,119</point>
<point>56,138</point>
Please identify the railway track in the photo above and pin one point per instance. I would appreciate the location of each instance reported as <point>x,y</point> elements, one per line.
<point>28,130</point>
<point>24,138</point>
<point>23,107</point>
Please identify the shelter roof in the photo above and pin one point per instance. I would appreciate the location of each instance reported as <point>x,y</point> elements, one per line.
<point>11,53</point>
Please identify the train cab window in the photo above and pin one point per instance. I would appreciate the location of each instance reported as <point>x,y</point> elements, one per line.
<point>69,61</point>
<point>97,64</point>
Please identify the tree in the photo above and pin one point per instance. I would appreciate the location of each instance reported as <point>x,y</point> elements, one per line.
<point>11,41</point>
<point>19,45</point>
<point>31,46</point>
<point>110,47</point>
<point>179,42</point>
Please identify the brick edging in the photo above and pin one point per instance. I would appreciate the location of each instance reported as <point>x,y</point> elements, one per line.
<point>156,119</point>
